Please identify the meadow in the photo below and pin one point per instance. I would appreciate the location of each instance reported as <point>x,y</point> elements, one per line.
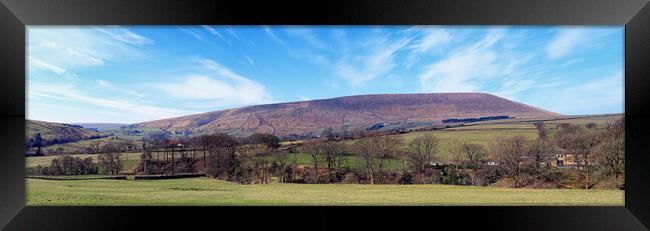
<point>205,191</point>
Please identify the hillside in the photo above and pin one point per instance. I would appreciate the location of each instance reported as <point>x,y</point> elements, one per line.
<point>101,126</point>
<point>311,117</point>
<point>53,133</point>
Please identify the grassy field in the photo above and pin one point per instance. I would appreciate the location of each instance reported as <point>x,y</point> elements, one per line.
<point>128,160</point>
<point>206,191</point>
<point>479,132</point>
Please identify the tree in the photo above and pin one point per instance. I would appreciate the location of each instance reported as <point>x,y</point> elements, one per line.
<point>110,158</point>
<point>281,159</point>
<point>329,134</point>
<point>455,148</point>
<point>579,142</point>
<point>540,152</point>
<point>333,156</point>
<point>267,139</point>
<point>591,125</point>
<point>422,151</point>
<point>367,149</point>
<point>211,141</point>
<point>315,152</point>
<point>511,152</point>
<point>260,155</point>
<point>94,147</point>
<point>476,157</point>
<point>610,153</point>
<point>38,140</point>
<point>245,166</point>
<point>387,146</point>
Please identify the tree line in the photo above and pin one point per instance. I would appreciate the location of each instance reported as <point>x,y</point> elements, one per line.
<point>514,161</point>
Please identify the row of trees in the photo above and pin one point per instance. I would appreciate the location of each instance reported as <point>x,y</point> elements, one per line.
<point>515,161</point>
<point>68,165</point>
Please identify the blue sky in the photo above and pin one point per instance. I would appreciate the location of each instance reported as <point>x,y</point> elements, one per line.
<point>140,73</point>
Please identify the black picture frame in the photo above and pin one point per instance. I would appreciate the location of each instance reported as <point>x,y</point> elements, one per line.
<point>634,14</point>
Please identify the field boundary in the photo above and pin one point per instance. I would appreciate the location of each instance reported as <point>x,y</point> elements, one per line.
<point>121,177</point>
<point>164,177</point>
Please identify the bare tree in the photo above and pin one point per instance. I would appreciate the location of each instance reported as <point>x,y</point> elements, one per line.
<point>591,125</point>
<point>281,159</point>
<point>329,134</point>
<point>387,147</point>
<point>455,148</point>
<point>540,153</point>
<point>333,156</point>
<point>610,152</point>
<point>422,151</point>
<point>511,152</point>
<point>578,142</point>
<point>94,147</point>
<point>261,156</point>
<point>315,152</point>
<point>476,156</point>
<point>367,150</point>
<point>110,158</point>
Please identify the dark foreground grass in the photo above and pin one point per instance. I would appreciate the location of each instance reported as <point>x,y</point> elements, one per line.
<point>207,191</point>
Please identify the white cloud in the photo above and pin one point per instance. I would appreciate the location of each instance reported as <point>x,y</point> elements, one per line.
<point>274,36</point>
<point>462,70</point>
<point>60,49</point>
<point>602,95</point>
<point>231,32</point>
<point>42,65</point>
<point>250,60</point>
<point>219,85</point>
<point>564,42</point>
<point>358,67</point>
<point>308,36</point>
<point>431,40</point>
<point>214,32</point>
<point>137,110</point>
<point>124,35</point>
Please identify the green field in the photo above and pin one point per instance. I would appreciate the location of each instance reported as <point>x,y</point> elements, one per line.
<point>481,133</point>
<point>207,191</point>
<point>129,160</point>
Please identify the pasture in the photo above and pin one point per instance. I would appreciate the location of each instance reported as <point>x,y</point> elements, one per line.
<point>207,191</point>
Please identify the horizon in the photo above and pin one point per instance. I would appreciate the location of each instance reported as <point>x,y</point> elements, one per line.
<point>135,74</point>
<point>559,115</point>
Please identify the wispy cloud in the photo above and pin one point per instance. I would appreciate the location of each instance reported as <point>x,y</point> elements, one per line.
<point>274,36</point>
<point>61,49</point>
<point>431,40</point>
<point>71,93</point>
<point>250,60</point>
<point>219,85</point>
<point>307,35</point>
<point>564,42</point>
<point>124,35</point>
<point>378,60</point>
<point>463,70</point>
<point>217,33</point>
<point>604,94</point>
<point>42,65</point>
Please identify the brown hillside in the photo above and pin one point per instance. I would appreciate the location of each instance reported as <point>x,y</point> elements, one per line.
<point>314,115</point>
<point>57,132</point>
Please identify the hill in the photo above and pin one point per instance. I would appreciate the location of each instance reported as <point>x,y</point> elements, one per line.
<point>311,117</point>
<point>101,126</point>
<point>54,133</point>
